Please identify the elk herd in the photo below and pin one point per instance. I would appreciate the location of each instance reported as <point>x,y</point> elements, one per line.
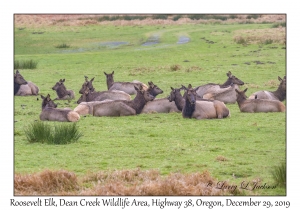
<point>201,102</point>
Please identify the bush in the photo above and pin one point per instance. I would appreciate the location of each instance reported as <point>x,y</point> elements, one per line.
<point>60,134</point>
<point>161,16</point>
<point>177,17</point>
<point>254,16</point>
<point>279,175</point>
<point>277,25</point>
<point>268,41</point>
<point>240,40</point>
<point>28,64</point>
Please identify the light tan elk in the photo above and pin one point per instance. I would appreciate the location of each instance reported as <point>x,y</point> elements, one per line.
<point>224,92</point>
<point>127,87</point>
<point>279,94</point>
<point>22,87</point>
<point>161,105</point>
<point>51,113</point>
<point>191,108</point>
<point>62,92</point>
<point>258,105</point>
<point>124,108</point>
<point>89,96</point>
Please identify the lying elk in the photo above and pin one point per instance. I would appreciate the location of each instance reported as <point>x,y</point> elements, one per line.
<point>161,105</point>
<point>51,113</point>
<point>88,96</point>
<point>85,108</point>
<point>258,105</point>
<point>124,108</point>
<point>127,87</point>
<point>224,92</point>
<point>279,94</point>
<point>87,84</point>
<point>176,97</point>
<point>62,92</point>
<point>191,108</point>
<point>22,87</point>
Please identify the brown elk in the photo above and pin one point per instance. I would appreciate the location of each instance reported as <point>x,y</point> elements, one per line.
<point>62,92</point>
<point>127,87</point>
<point>22,87</point>
<point>199,109</point>
<point>123,107</point>
<point>161,105</point>
<point>258,105</point>
<point>279,94</point>
<point>224,92</point>
<point>88,96</point>
<point>87,84</point>
<point>51,113</point>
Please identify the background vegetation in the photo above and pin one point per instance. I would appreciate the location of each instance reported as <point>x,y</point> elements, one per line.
<point>244,147</point>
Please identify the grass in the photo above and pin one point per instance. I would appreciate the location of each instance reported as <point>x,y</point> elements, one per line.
<point>244,147</point>
<point>279,175</point>
<point>26,64</point>
<point>60,134</point>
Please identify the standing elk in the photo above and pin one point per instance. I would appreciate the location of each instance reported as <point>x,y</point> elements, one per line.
<point>22,87</point>
<point>279,94</point>
<point>62,92</point>
<point>224,92</point>
<point>51,113</point>
<point>258,105</point>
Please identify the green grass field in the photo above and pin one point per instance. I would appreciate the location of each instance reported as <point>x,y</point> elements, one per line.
<point>244,147</point>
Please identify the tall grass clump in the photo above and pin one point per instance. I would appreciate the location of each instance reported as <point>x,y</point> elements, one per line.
<point>65,134</point>
<point>37,132</point>
<point>279,175</point>
<point>44,133</point>
<point>64,45</point>
<point>27,64</point>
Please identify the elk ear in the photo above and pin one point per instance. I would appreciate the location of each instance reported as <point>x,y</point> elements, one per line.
<point>42,97</point>
<point>17,72</point>
<point>63,80</point>
<point>237,91</point>
<point>86,78</point>
<point>245,90</point>
<point>183,87</point>
<point>172,88</point>
<point>229,74</point>
<point>105,73</point>
<point>279,78</point>
<point>113,72</point>
<point>92,79</point>
<point>190,86</point>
